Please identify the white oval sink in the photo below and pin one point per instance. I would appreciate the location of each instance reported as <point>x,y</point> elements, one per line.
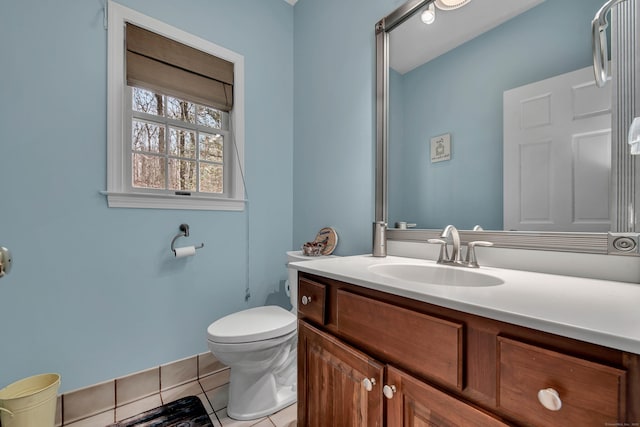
<point>435,275</point>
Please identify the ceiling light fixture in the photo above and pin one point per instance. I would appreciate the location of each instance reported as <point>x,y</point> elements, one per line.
<point>450,4</point>
<point>428,16</point>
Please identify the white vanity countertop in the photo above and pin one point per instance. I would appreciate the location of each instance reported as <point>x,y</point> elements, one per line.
<point>596,311</point>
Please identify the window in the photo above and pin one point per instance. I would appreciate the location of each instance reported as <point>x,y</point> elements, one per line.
<point>176,145</point>
<point>175,125</point>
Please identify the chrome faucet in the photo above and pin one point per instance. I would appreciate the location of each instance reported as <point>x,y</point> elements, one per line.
<point>442,241</point>
<point>455,258</point>
<point>455,237</point>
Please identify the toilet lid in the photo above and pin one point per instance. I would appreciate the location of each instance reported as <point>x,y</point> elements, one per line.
<point>254,324</point>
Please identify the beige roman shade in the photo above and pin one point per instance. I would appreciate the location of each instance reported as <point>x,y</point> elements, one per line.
<point>158,63</point>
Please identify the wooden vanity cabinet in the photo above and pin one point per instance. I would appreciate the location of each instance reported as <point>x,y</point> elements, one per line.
<point>332,388</point>
<point>342,386</point>
<point>368,358</point>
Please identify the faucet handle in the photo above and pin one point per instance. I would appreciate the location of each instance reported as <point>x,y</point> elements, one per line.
<point>471,260</point>
<point>444,252</point>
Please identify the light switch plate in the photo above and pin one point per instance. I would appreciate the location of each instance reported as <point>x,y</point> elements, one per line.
<point>441,148</point>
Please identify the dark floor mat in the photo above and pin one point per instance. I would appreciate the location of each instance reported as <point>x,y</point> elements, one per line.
<point>185,412</point>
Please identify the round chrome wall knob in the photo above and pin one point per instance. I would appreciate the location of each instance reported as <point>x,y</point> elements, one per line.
<point>306,300</point>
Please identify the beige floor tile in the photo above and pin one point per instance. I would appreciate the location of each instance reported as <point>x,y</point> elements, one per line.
<point>206,404</point>
<point>228,422</point>
<point>286,417</point>
<point>190,389</point>
<point>215,380</point>
<point>102,419</point>
<point>138,407</point>
<point>264,423</point>
<point>219,397</point>
<point>214,420</point>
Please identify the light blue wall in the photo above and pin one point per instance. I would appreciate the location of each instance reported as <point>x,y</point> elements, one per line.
<point>444,96</point>
<point>94,293</point>
<point>334,119</point>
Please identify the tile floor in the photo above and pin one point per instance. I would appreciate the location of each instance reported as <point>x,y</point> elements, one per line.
<point>202,375</point>
<point>285,418</point>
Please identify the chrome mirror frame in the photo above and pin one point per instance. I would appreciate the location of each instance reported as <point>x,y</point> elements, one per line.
<point>599,26</point>
<point>625,189</point>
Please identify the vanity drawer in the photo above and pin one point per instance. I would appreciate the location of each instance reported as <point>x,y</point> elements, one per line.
<point>588,393</point>
<point>423,344</point>
<point>311,300</point>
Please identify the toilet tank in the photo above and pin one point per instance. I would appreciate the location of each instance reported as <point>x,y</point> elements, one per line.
<point>292,282</point>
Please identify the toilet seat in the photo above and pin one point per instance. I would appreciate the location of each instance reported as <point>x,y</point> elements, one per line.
<point>253,324</point>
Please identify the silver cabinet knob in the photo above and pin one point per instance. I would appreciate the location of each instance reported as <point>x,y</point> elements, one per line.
<point>306,300</point>
<point>389,391</point>
<point>550,399</point>
<point>368,383</point>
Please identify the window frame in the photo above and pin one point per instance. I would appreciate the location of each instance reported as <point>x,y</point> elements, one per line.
<point>169,124</point>
<point>120,192</point>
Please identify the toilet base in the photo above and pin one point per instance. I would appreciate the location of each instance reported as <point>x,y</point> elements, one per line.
<point>284,398</point>
<point>254,396</point>
<point>262,382</point>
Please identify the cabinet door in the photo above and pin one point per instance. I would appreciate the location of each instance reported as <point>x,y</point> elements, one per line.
<point>415,403</point>
<point>333,383</point>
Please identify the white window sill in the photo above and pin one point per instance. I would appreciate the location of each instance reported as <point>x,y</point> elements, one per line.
<point>169,201</point>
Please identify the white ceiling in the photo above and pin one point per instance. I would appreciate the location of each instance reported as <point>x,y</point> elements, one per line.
<point>413,43</point>
<point>291,2</point>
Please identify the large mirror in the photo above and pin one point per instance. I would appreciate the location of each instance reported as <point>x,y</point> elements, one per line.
<point>490,116</point>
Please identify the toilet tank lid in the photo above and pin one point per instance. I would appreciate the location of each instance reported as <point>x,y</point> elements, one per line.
<point>253,324</point>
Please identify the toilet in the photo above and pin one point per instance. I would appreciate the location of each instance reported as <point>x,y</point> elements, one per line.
<point>259,345</point>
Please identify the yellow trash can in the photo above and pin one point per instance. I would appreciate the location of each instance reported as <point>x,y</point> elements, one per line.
<point>30,402</point>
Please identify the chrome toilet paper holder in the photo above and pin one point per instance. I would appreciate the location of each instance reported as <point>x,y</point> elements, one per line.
<point>184,232</point>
